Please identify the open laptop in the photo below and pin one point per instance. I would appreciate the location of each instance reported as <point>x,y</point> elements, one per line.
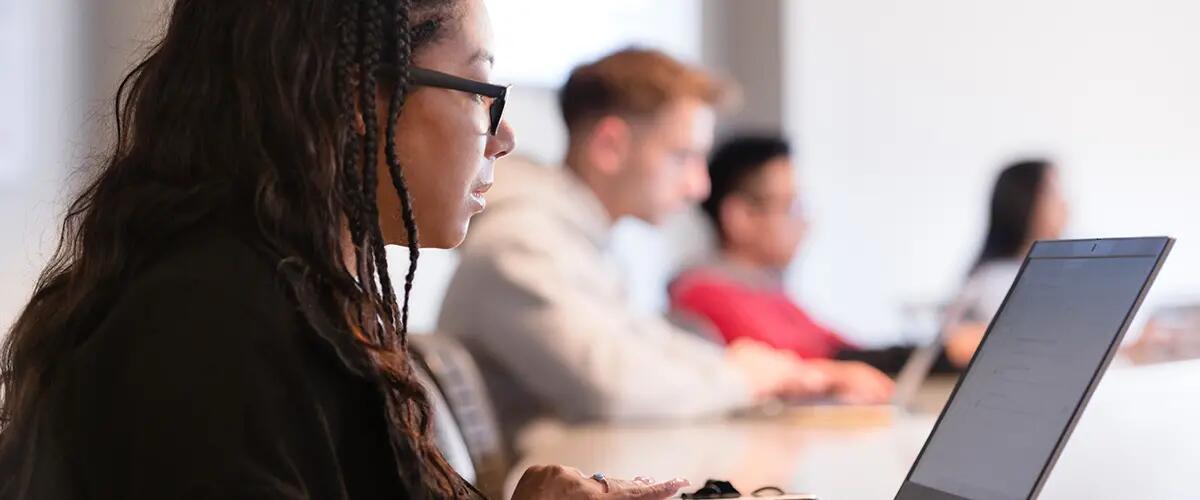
<point>1043,354</point>
<point>1016,404</point>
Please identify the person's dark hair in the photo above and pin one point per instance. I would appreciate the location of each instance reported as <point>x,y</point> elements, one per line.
<point>247,110</point>
<point>733,165</point>
<point>1010,219</point>
<point>633,82</point>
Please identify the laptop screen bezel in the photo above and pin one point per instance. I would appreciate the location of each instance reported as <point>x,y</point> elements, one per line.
<point>1156,247</point>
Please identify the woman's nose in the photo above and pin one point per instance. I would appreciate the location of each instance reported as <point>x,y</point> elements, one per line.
<point>502,143</point>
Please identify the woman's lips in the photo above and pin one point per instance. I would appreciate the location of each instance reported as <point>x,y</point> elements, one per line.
<point>478,201</point>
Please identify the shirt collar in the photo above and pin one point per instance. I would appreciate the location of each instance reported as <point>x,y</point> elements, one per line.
<point>759,279</point>
<point>580,206</point>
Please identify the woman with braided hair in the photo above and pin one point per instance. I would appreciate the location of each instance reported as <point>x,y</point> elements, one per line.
<point>218,320</point>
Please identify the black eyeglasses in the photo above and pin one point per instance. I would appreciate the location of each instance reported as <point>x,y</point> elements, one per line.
<point>432,78</point>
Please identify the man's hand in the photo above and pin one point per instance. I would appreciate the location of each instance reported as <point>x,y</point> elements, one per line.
<point>774,373</point>
<point>856,382</point>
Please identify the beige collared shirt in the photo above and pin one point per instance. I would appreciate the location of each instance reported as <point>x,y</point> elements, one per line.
<point>544,310</point>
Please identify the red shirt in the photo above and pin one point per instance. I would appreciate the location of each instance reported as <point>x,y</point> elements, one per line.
<point>741,307</point>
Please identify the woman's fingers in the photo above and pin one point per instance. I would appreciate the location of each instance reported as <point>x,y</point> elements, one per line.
<point>639,489</point>
<point>556,482</point>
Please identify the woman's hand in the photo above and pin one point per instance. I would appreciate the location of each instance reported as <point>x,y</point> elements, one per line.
<point>961,342</point>
<point>551,482</point>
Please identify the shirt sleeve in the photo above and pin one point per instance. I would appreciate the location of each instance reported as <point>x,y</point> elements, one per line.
<point>739,315</point>
<point>589,355</point>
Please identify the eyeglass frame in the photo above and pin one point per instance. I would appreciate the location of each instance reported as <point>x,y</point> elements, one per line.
<point>437,79</point>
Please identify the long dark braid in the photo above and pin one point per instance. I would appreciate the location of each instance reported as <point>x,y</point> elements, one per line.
<point>370,49</point>
<point>421,464</point>
<point>350,186</point>
<point>403,56</point>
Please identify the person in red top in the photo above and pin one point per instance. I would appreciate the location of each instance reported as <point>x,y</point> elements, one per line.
<point>755,209</point>
<point>741,302</point>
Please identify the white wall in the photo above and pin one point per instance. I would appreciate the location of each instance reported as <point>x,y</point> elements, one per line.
<point>538,42</point>
<point>41,83</point>
<point>903,112</point>
<point>69,57</point>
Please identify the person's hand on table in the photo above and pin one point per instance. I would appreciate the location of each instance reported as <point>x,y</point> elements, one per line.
<point>1153,345</point>
<point>855,382</point>
<point>773,373</point>
<point>961,342</point>
<point>552,482</point>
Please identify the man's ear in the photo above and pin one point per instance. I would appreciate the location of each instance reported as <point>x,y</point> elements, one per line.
<point>609,143</point>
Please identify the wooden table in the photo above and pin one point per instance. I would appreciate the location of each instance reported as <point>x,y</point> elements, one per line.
<point>1139,438</point>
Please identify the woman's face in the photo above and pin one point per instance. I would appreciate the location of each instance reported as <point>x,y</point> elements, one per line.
<point>1050,210</point>
<point>442,138</point>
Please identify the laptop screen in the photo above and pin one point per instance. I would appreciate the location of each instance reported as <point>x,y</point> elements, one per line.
<point>1033,371</point>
